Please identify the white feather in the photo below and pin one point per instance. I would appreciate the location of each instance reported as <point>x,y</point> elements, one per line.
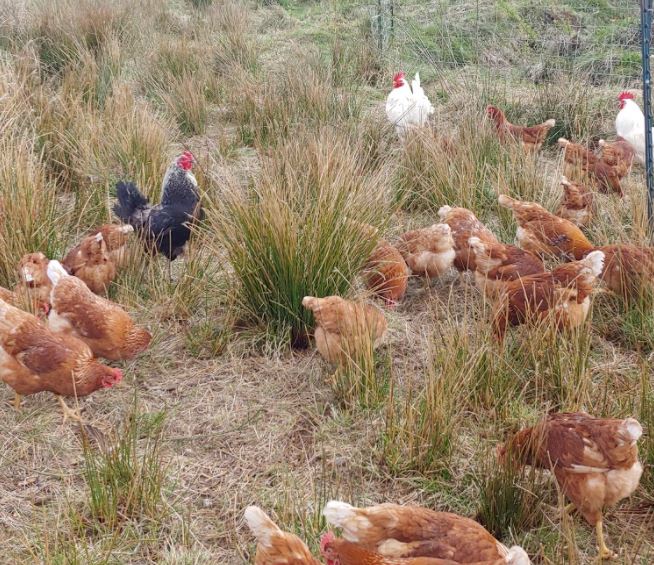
<point>56,272</point>
<point>630,125</point>
<point>443,211</point>
<point>408,106</point>
<point>517,556</point>
<point>261,526</point>
<point>595,262</point>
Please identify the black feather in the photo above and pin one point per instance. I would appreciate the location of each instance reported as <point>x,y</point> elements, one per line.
<point>130,200</point>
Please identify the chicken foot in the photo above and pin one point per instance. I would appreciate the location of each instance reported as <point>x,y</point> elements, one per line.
<point>69,412</point>
<point>604,552</point>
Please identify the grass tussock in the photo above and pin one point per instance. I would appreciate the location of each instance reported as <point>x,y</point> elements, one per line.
<point>27,206</point>
<point>126,478</point>
<point>301,96</point>
<point>421,430</point>
<point>507,502</point>
<point>290,236</point>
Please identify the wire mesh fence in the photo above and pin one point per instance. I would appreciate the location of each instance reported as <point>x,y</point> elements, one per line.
<point>537,41</point>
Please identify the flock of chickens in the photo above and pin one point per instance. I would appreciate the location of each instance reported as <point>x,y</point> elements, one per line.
<point>60,354</point>
<point>594,460</point>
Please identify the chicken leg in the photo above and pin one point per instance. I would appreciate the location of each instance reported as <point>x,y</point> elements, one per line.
<point>17,399</point>
<point>69,412</point>
<point>604,552</point>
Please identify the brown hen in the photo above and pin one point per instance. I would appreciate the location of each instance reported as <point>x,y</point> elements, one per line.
<point>32,292</point>
<point>563,293</point>
<point>116,237</point>
<point>498,263</point>
<point>541,232</point>
<point>274,546</point>
<point>582,164</point>
<point>345,329</point>
<point>628,269</point>
<point>401,532</point>
<point>91,262</point>
<point>34,359</point>
<point>619,154</point>
<point>104,326</point>
<point>386,274</point>
<point>531,137</point>
<point>464,225</point>
<point>429,251</point>
<point>594,460</point>
<point>576,203</point>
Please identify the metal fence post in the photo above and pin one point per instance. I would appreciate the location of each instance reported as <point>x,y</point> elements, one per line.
<point>646,34</point>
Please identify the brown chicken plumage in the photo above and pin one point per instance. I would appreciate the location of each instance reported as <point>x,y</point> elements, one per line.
<point>32,293</point>
<point>116,238</point>
<point>464,225</point>
<point>531,137</point>
<point>594,460</point>
<point>563,293</point>
<point>429,251</point>
<point>91,262</point>
<point>386,274</point>
<point>34,359</point>
<point>498,263</point>
<point>103,325</point>
<point>394,531</point>
<point>619,154</point>
<point>339,551</point>
<point>7,295</point>
<point>581,164</point>
<point>576,203</point>
<point>543,233</point>
<point>628,269</point>
<point>274,546</point>
<point>345,329</point>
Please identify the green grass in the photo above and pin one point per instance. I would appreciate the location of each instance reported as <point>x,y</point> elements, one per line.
<point>289,237</point>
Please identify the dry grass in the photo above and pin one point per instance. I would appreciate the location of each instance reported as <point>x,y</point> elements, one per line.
<point>289,132</point>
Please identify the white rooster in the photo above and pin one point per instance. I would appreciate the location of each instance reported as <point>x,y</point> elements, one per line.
<point>407,106</point>
<point>630,124</point>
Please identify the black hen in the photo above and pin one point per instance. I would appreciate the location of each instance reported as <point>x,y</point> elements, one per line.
<point>165,228</point>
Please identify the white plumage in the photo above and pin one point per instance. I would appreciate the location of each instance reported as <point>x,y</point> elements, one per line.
<point>407,106</point>
<point>630,125</point>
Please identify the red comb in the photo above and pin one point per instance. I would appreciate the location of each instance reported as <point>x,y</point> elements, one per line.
<point>326,538</point>
<point>398,76</point>
<point>626,96</point>
<point>119,375</point>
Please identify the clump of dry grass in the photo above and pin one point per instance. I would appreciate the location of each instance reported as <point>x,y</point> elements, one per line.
<point>234,44</point>
<point>27,205</point>
<point>457,169</point>
<point>301,96</point>
<point>421,429</point>
<point>290,237</point>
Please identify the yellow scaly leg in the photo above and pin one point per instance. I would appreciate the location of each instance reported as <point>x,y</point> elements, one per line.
<point>604,552</point>
<point>68,412</point>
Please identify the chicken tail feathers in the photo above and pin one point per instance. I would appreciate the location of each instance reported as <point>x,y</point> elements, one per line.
<point>337,512</point>
<point>130,199</point>
<point>261,526</point>
<point>517,556</point>
<point>56,272</point>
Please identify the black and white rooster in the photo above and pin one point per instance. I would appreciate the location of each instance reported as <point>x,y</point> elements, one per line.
<point>165,228</point>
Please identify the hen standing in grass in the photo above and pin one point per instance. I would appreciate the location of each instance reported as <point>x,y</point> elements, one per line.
<point>407,106</point>
<point>33,359</point>
<point>165,228</point>
<point>594,460</point>
<point>104,326</point>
